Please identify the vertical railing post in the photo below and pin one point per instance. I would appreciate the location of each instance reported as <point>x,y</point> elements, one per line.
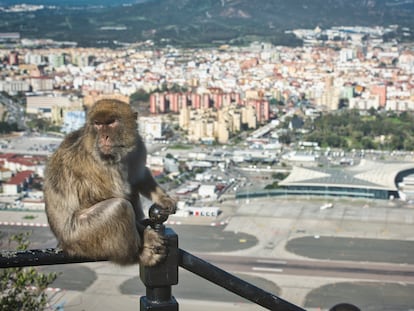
<point>159,279</point>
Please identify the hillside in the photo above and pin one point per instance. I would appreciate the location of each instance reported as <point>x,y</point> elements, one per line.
<point>200,22</point>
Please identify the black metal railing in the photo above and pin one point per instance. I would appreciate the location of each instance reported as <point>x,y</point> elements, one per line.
<point>159,279</point>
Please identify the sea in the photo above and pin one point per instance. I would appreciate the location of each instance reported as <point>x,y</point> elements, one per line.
<point>71,3</point>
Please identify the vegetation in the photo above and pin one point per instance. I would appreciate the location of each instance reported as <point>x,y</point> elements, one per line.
<point>23,289</point>
<point>140,96</point>
<point>348,129</point>
<point>42,125</point>
<point>6,128</point>
<point>278,176</point>
<point>29,217</point>
<point>200,23</point>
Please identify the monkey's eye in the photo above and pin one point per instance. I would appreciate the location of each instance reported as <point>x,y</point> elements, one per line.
<point>106,123</point>
<point>112,123</point>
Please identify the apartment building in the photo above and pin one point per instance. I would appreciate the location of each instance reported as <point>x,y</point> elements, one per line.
<point>52,107</point>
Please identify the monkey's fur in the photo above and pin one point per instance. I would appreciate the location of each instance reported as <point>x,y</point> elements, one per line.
<point>92,190</point>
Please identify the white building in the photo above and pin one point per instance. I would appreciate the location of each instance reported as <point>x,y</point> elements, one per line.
<point>207,191</point>
<point>14,86</point>
<point>151,128</point>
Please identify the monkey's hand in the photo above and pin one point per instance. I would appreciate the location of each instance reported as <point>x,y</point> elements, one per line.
<point>154,249</point>
<point>167,203</point>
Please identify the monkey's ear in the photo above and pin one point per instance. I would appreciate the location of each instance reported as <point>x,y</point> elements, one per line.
<point>136,115</point>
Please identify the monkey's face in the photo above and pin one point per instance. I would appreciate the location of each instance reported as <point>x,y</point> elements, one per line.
<point>114,129</point>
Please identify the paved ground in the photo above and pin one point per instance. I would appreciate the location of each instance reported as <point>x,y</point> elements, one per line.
<point>260,228</point>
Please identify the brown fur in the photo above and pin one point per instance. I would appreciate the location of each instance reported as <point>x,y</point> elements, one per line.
<point>92,190</point>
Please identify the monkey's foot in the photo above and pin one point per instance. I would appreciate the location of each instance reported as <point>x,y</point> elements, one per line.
<point>154,249</point>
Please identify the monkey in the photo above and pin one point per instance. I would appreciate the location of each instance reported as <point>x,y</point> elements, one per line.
<point>92,188</point>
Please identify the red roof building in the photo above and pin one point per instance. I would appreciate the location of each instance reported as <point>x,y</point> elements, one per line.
<point>18,182</point>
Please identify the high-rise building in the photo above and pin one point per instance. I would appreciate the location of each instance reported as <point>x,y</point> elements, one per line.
<point>56,60</point>
<point>262,110</point>
<point>381,91</point>
<point>151,128</point>
<point>41,83</point>
<point>172,99</point>
<point>184,118</point>
<point>13,58</point>
<point>157,103</point>
<point>195,100</point>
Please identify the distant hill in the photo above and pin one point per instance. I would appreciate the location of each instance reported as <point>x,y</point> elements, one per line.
<point>203,22</point>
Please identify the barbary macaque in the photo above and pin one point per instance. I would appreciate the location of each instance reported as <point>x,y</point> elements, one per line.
<point>92,187</point>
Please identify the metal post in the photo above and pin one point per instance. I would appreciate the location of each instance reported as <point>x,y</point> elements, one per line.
<point>159,279</point>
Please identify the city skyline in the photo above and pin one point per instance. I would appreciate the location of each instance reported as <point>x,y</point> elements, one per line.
<point>353,72</point>
<point>217,115</point>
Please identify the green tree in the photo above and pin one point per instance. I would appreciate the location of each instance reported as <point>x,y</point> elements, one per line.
<point>43,125</point>
<point>140,95</point>
<point>279,175</point>
<point>285,138</point>
<point>23,289</point>
<point>372,111</point>
<point>368,143</point>
<point>409,143</point>
<point>349,129</point>
<point>6,128</point>
<point>273,185</point>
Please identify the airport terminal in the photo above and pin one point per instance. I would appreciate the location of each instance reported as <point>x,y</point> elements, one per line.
<point>368,179</point>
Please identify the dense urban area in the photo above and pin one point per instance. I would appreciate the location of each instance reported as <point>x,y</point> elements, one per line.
<point>231,132</point>
<point>331,102</point>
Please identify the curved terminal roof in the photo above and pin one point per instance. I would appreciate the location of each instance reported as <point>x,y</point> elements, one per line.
<point>367,174</point>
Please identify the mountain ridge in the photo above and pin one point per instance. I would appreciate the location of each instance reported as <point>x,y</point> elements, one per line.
<point>198,23</point>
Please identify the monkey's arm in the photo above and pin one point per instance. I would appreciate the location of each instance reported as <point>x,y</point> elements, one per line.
<point>150,189</point>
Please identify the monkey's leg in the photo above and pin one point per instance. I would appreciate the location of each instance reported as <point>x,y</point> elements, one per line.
<point>108,230</point>
<point>153,249</point>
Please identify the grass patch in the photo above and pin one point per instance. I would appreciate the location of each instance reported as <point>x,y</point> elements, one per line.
<point>29,217</point>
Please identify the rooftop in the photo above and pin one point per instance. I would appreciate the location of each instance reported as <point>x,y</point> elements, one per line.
<point>367,174</point>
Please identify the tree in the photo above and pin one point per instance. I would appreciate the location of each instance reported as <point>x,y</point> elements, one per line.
<point>279,175</point>
<point>349,129</point>
<point>42,125</point>
<point>368,143</point>
<point>140,95</point>
<point>372,111</point>
<point>6,128</point>
<point>285,138</point>
<point>23,289</point>
<point>273,185</point>
<point>409,143</point>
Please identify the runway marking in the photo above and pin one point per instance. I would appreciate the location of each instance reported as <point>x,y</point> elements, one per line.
<point>267,269</point>
<point>22,224</point>
<point>276,262</point>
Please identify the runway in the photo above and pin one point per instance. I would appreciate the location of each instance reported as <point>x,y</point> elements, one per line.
<point>97,281</point>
